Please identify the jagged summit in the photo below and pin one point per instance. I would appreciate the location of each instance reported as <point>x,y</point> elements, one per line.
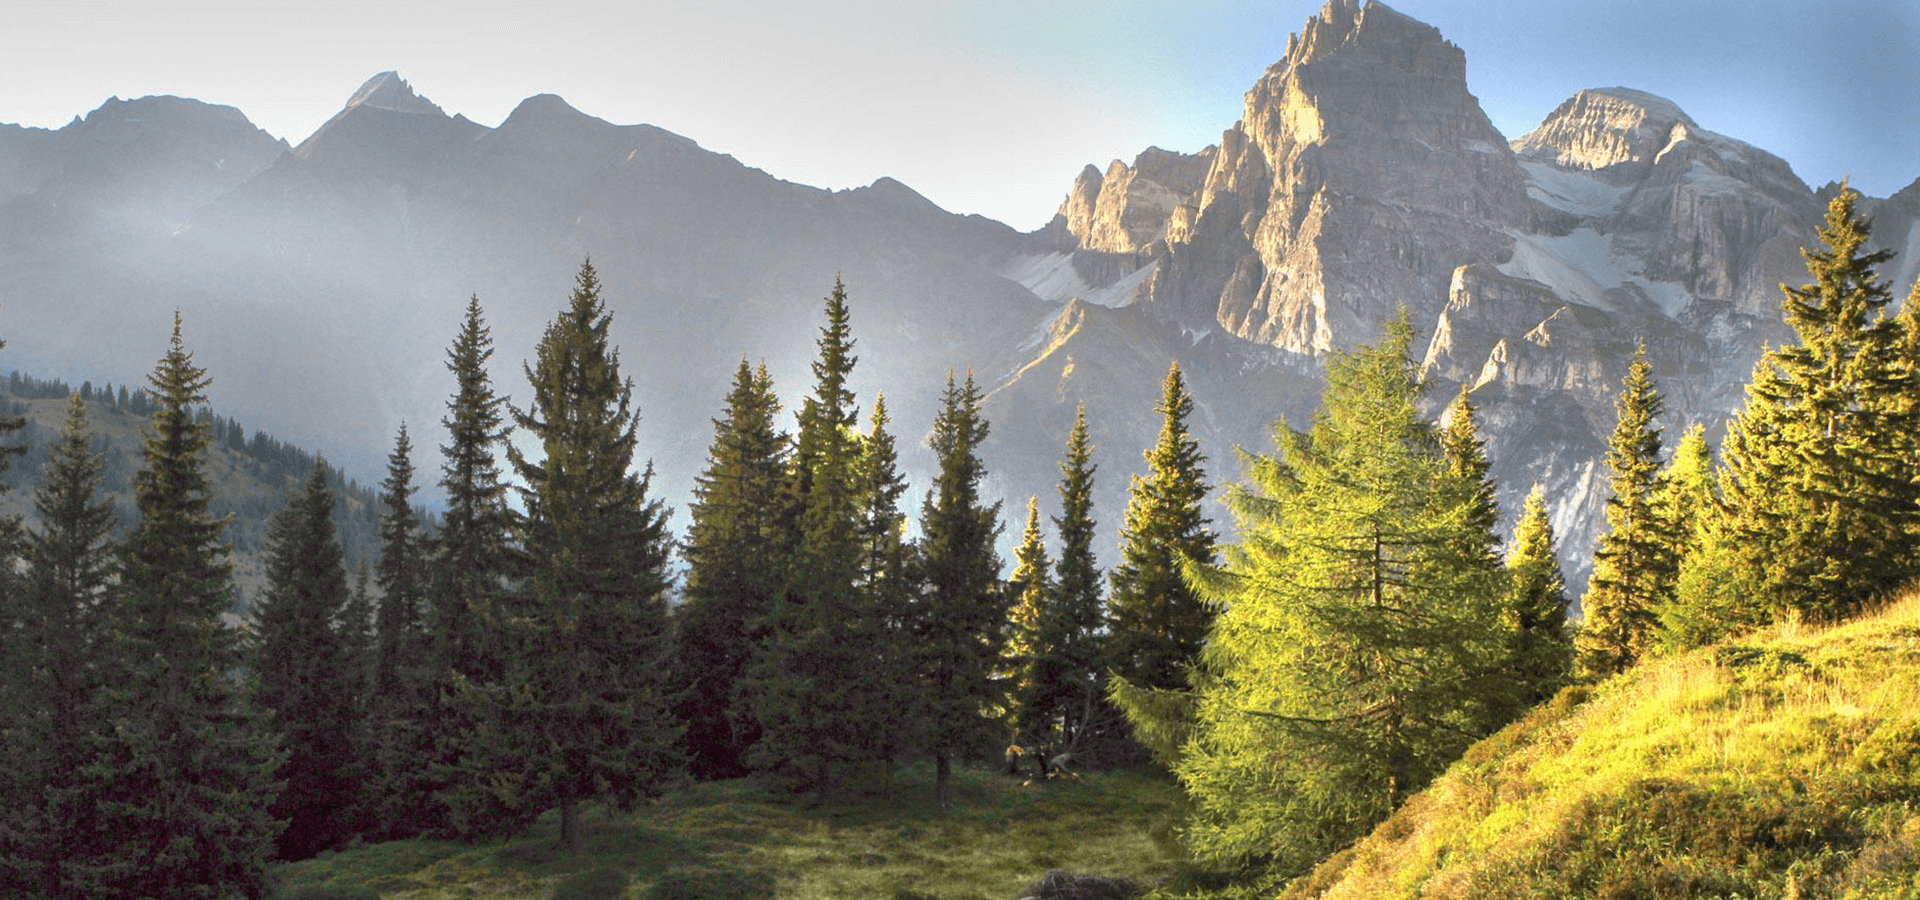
<point>389,91</point>
<point>1601,128</point>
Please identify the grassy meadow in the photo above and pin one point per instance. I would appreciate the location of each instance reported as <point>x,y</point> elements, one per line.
<point>739,839</point>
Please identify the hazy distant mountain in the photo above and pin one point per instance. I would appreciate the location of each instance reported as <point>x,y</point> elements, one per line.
<point>322,283</point>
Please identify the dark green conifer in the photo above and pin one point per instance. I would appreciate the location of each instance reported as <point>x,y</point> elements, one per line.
<point>1819,488</point>
<point>889,714</point>
<point>183,778</point>
<point>1156,621</point>
<point>1088,723</point>
<point>963,605</point>
<point>810,687</point>
<point>308,674</point>
<point>403,671</point>
<point>1466,457</point>
<point>59,635</point>
<point>583,708</point>
<point>1540,644</point>
<point>1038,671</point>
<point>468,562</point>
<point>735,550</point>
<point>1633,562</point>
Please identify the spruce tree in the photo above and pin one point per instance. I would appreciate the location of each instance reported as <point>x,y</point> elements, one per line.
<point>734,550</point>
<point>60,638</point>
<point>1156,621</point>
<point>1358,634</point>
<point>466,574</point>
<point>889,715</point>
<point>1698,611</point>
<point>183,777</point>
<point>584,707</point>
<point>1633,564</point>
<point>1819,490</point>
<point>402,675</point>
<point>1037,670</point>
<point>1086,718</point>
<point>963,604</point>
<point>1466,456</point>
<point>307,674</point>
<point>1540,646</point>
<point>810,687</point>
<point>10,530</point>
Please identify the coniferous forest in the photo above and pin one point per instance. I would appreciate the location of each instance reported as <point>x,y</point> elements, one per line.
<point>556,648</point>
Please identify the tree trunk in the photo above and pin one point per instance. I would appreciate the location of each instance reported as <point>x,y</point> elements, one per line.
<point>943,781</point>
<point>572,830</point>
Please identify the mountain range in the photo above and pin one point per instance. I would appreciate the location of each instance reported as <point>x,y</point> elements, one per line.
<point>321,283</point>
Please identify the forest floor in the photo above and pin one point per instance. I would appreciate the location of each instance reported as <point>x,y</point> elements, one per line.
<point>740,839</point>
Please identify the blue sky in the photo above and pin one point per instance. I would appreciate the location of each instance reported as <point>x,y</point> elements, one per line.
<point>985,106</point>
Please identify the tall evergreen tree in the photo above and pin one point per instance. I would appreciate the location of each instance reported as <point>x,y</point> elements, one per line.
<point>402,665</point>
<point>735,549</point>
<point>889,715</point>
<point>1633,562</point>
<point>810,686</point>
<point>466,572</point>
<point>1157,622</point>
<point>1540,646</point>
<point>1086,719</point>
<point>307,673</point>
<point>1036,667</point>
<point>963,604</point>
<point>1466,456</point>
<point>184,775</point>
<point>1358,634</point>
<point>584,707</point>
<point>1698,611</point>
<point>49,739</point>
<point>1818,487</point>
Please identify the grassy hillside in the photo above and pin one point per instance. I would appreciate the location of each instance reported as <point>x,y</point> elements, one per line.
<point>737,840</point>
<point>1784,765</point>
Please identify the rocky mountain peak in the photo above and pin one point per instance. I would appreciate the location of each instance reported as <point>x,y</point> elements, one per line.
<point>1603,128</point>
<point>1131,207</point>
<point>389,91</point>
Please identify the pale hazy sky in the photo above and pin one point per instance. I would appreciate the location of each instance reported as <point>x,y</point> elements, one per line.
<point>985,106</point>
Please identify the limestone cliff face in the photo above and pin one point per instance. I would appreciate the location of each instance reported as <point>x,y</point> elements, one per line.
<point>1131,207</point>
<point>1718,218</point>
<point>1361,173</point>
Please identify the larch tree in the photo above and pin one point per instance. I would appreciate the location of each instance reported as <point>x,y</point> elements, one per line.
<point>735,550</point>
<point>1358,634</point>
<point>1156,621</point>
<point>308,674</point>
<point>962,604</point>
<point>1633,563</point>
<point>184,776</point>
<point>583,693</point>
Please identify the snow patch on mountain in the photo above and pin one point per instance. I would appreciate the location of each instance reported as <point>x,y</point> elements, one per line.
<point>1585,267</point>
<point>1573,190</point>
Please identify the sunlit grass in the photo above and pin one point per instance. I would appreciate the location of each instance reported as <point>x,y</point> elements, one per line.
<point>1783,764</point>
<point>738,839</point>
